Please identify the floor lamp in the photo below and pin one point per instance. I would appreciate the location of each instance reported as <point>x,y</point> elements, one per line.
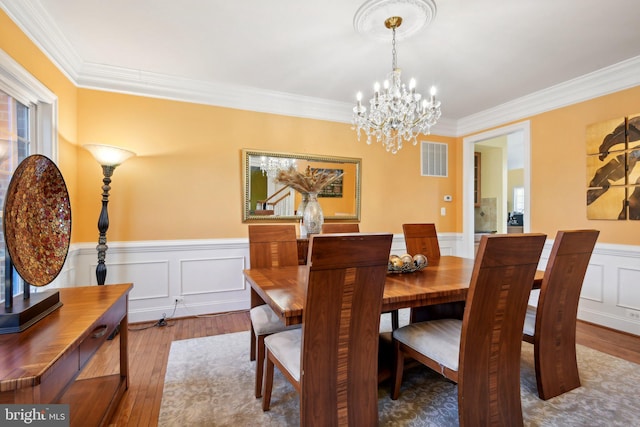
<point>109,157</point>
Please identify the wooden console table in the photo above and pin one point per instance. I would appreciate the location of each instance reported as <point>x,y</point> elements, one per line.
<point>40,365</point>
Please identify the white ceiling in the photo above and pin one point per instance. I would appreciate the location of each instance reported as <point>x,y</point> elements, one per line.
<point>479,53</point>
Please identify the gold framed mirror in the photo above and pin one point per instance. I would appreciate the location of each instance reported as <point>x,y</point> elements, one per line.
<point>264,199</point>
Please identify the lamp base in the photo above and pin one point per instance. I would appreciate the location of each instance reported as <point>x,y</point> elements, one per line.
<point>25,313</point>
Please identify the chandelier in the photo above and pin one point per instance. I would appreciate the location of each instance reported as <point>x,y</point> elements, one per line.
<point>397,113</point>
<point>271,166</point>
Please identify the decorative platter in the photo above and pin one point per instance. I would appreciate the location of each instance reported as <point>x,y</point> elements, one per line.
<point>404,269</point>
<point>37,220</point>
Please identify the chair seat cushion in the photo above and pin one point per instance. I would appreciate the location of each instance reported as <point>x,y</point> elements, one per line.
<point>530,321</point>
<point>439,340</point>
<point>265,321</point>
<point>286,347</point>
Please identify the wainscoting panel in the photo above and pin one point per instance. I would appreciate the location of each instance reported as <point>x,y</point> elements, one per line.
<point>202,276</point>
<point>629,288</point>
<point>611,288</point>
<point>150,278</point>
<point>206,277</point>
<point>593,285</point>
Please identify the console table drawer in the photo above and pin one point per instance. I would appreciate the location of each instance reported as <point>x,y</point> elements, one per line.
<point>107,324</point>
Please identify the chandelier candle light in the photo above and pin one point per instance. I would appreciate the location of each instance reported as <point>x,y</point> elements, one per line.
<point>271,166</point>
<point>397,113</point>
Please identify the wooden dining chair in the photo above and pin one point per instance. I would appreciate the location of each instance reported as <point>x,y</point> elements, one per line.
<point>481,352</point>
<point>423,239</point>
<point>355,228</point>
<point>332,360</point>
<point>340,227</point>
<point>270,246</point>
<point>551,327</point>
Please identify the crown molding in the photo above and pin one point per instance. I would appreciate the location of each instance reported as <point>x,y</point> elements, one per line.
<point>136,82</point>
<point>614,78</point>
<point>34,21</point>
<point>445,127</point>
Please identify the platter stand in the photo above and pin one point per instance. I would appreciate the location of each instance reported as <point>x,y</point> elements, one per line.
<point>18,315</point>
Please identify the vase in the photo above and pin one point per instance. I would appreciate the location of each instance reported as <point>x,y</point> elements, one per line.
<point>312,217</point>
<point>303,204</point>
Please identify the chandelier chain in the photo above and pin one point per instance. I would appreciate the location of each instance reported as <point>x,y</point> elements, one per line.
<point>394,53</point>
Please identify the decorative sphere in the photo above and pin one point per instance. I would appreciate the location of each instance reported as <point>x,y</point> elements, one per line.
<point>407,259</point>
<point>395,261</point>
<point>420,260</point>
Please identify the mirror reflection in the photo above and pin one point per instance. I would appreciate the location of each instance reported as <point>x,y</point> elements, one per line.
<point>266,199</point>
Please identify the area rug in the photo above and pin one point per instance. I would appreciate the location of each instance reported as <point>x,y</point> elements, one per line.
<point>210,380</point>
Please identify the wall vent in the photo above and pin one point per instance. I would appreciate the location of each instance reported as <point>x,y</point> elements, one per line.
<point>434,156</point>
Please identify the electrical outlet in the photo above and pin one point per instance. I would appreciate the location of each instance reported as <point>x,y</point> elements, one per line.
<point>179,298</point>
<point>633,314</point>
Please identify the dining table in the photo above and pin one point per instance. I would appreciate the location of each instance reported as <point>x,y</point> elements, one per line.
<point>442,281</point>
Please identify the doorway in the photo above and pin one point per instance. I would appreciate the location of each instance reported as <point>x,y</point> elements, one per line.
<point>517,132</point>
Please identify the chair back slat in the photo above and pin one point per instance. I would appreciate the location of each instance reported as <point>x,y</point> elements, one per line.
<point>422,239</point>
<point>555,328</point>
<point>272,246</point>
<point>489,366</point>
<point>332,227</point>
<point>340,328</point>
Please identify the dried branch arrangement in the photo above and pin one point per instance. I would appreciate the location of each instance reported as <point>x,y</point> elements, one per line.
<point>309,181</point>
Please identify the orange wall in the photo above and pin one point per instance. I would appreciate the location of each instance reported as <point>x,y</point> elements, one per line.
<point>559,176</point>
<point>186,181</point>
<point>559,168</point>
<point>23,51</point>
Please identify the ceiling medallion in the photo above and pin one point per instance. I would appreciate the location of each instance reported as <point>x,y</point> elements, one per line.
<point>416,14</point>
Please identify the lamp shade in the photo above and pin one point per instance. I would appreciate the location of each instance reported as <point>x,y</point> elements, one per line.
<point>108,155</point>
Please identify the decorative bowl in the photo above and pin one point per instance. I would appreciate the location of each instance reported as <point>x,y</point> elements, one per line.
<point>417,263</point>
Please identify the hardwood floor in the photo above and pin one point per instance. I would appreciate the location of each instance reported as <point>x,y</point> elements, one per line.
<point>620,344</point>
<point>149,346</point>
<point>148,354</point>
